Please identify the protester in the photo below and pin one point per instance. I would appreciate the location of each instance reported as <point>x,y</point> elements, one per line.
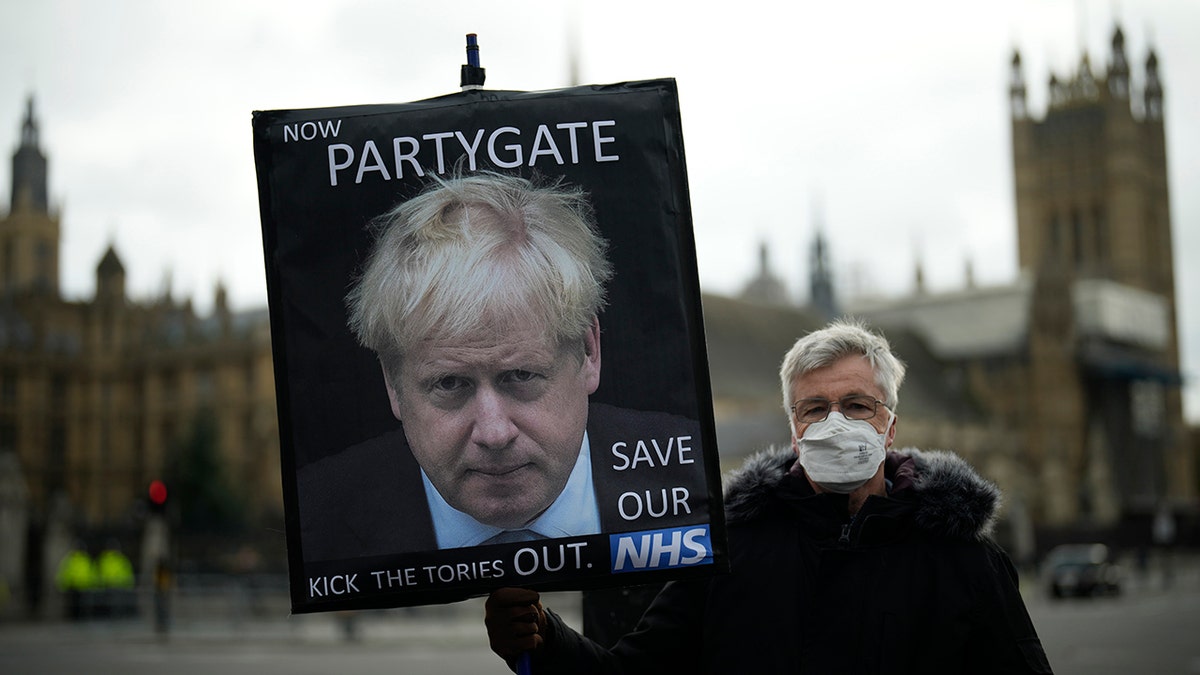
<point>846,556</point>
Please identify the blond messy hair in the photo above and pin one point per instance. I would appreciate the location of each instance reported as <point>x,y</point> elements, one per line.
<point>480,250</point>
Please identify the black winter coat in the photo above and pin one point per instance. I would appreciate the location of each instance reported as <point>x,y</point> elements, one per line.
<point>912,584</point>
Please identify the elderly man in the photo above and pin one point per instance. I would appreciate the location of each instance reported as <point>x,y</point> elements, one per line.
<point>845,557</point>
<point>481,299</point>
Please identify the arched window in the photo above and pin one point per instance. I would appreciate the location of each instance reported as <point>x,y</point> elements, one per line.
<point>1102,243</point>
<point>1077,250</point>
<point>1054,237</point>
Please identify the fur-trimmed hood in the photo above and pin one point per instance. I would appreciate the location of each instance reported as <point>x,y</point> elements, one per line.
<point>949,497</point>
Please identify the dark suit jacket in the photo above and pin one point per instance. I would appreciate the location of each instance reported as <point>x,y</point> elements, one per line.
<point>368,499</point>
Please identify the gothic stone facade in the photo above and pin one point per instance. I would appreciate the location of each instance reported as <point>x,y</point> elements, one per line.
<point>96,394</point>
<point>1103,406</point>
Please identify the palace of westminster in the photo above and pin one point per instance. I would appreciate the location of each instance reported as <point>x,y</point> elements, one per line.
<point>1062,386</point>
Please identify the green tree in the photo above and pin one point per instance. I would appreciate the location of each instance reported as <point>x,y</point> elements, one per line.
<point>205,500</point>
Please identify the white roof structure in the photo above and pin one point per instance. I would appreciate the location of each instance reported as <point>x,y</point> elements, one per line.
<point>969,323</point>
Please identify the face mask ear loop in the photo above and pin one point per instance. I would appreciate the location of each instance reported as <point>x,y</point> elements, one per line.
<point>888,427</point>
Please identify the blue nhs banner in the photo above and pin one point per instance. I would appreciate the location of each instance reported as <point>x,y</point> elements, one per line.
<point>661,549</point>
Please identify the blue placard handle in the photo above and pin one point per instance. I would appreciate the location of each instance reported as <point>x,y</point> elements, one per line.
<point>524,664</point>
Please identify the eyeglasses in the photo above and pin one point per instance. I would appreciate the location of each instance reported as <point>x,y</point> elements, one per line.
<point>813,410</point>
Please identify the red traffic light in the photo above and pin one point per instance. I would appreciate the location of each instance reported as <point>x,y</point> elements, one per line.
<point>158,492</point>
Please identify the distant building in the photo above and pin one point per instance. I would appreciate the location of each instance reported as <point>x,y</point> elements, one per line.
<point>96,394</point>
<point>1080,356</point>
<point>766,287</point>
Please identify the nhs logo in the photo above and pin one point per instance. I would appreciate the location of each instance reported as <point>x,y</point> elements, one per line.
<point>659,549</point>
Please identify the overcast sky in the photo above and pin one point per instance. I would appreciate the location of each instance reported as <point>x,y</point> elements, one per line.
<point>887,122</point>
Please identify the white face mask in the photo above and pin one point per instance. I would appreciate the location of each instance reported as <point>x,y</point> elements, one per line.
<point>841,454</point>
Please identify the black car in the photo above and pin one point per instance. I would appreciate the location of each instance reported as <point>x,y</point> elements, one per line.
<point>1081,570</point>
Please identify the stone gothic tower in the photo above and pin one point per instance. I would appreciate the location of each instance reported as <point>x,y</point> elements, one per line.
<point>29,234</point>
<point>1094,231</point>
<point>821,278</point>
<point>1091,176</point>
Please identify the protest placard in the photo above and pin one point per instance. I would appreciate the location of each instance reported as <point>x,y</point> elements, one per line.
<point>489,348</point>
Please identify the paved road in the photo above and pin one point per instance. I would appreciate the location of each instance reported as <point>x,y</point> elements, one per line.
<point>1149,629</point>
<point>386,643</point>
<point>1157,632</point>
<point>190,657</point>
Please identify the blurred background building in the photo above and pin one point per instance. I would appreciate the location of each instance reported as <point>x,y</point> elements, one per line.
<point>1062,386</point>
<point>99,397</point>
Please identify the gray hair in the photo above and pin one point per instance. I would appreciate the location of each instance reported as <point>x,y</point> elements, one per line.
<point>484,249</point>
<point>843,337</point>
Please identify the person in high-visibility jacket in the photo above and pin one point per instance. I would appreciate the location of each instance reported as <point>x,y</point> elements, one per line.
<point>115,577</point>
<point>76,576</point>
<point>114,569</point>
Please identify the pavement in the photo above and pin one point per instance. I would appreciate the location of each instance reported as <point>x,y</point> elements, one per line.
<point>230,617</point>
<point>443,626</point>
